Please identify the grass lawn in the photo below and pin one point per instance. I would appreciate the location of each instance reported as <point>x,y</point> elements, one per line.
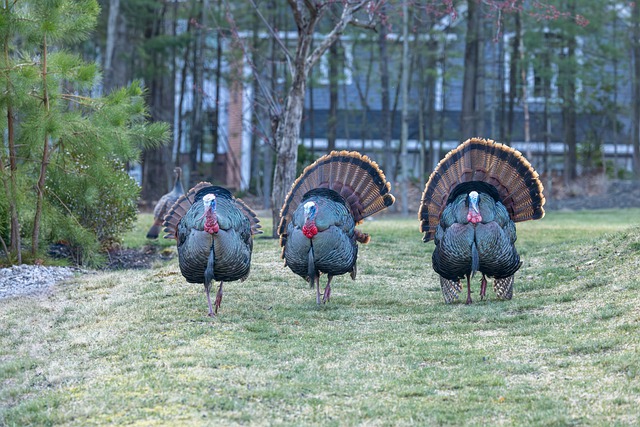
<point>135,347</point>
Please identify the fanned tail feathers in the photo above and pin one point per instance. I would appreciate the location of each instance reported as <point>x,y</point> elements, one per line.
<point>356,177</point>
<point>478,162</point>
<point>504,287</point>
<point>182,205</point>
<point>179,209</point>
<point>450,289</point>
<point>253,218</point>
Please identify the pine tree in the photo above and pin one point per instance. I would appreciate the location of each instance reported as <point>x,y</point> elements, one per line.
<point>72,147</point>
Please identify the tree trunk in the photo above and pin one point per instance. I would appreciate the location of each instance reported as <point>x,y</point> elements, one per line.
<point>287,149</point>
<point>180,161</point>
<point>404,83</point>
<point>332,122</point>
<point>469,89</point>
<point>480,107</point>
<point>385,114</point>
<point>443,111</point>
<point>40,186</point>
<point>430,110</point>
<point>614,112</point>
<point>156,162</point>
<point>569,117</point>
<point>525,98</point>
<point>501,90</point>
<point>11,184</point>
<point>216,114</point>
<point>636,90</point>
<point>112,32</point>
<point>513,79</point>
<point>196,134</point>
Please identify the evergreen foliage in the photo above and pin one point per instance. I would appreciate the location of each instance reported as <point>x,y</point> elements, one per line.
<point>76,144</point>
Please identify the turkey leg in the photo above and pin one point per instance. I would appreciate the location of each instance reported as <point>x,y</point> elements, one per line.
<point>317,280</point>
<point>218,298</point>
<point>468,289</point>
<point>483,287</point>
<point>206,288</point>
<point>327,290</point>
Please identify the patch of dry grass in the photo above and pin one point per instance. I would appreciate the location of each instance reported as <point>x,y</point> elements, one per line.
<point>136,347</point>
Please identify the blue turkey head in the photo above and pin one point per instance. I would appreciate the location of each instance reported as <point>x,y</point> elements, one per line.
<point>209,201</point>
<point>474,215</point>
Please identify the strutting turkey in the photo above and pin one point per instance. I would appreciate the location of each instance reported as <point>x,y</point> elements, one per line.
<point>318,218</point>
<point>469,207</point>
<point>164,204</point>
<point>214,233</point>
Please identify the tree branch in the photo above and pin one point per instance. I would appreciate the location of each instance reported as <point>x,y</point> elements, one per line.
<point>273,33</point>
<point>311,6</point>
<point>297,14</point>
<point>371,25</point>
<point>346,19</point>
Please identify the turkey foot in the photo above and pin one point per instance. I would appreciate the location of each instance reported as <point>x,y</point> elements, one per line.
<point>218,298</point>
<point>483,287</point>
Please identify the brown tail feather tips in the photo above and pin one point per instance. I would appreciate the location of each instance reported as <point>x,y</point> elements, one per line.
<point>482,160</point>
<point>356,177</point>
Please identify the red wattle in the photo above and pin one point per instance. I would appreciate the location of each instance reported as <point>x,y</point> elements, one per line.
<point>309,229</point>
<point>211,223</point>
<point>474,217</point>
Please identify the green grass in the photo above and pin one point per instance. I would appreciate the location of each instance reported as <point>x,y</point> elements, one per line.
<point>135,347</point>
<point>136,238</point>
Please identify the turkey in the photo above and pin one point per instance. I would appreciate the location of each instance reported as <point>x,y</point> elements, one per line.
<point>469,207</point>
<point>214,233</point>
<point>318,218</point>
<point>163,205</point>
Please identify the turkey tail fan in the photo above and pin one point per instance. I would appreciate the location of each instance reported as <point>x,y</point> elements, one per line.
<point>356,177</point>
<point>179,209</point>
<point>450,289</point>
<point>488,166</point>
<point>504,287</point>
<point>253,218</point>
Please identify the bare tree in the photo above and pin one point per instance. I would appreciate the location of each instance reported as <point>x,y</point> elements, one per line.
<point>307,15</point>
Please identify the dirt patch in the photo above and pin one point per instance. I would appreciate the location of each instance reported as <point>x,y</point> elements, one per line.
<point>121,258</point>
<point>598,195</point>
<point>124,259</point>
